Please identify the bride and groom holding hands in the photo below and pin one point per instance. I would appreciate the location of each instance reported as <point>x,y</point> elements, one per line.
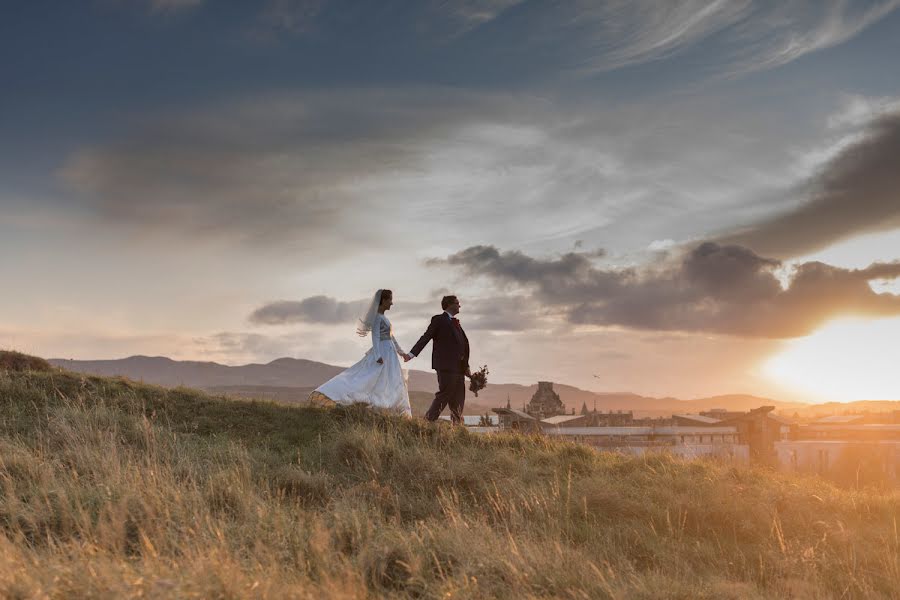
<point>378,379</point>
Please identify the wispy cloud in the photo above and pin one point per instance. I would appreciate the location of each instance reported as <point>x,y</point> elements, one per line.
<point>745,35</point>
<point>435,19</point>
<point>777,34</point>
<point>473,13</point>
<point>619,34</point>
<point>586,37</point>
<point>711,288</point>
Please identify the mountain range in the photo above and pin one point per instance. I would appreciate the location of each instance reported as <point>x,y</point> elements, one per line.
<point>291,379</point>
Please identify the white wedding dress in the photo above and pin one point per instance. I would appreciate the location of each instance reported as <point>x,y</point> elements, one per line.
<point>381,385</point>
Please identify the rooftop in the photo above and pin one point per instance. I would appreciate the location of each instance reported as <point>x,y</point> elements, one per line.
<point>698,418</point>
<point>561,419</point>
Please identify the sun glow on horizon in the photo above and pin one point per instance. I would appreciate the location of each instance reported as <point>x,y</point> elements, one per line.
<point>846,360</point>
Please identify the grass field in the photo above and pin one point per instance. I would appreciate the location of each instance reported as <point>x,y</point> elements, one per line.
<point>112,489</point>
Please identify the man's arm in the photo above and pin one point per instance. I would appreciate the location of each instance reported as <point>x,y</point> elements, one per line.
<point>426,337</point>
<point>466,355</point>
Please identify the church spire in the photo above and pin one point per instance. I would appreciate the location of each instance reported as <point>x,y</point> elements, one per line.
<point>584,409</point>
<point>507,402</point>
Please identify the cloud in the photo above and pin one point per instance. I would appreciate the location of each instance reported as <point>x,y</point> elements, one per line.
<point>472,13</point>
<point>237,344</point>
<point>858,191</point>
<point>295,16</point>
<point>315,309</point>
<point>435,20</point>
<point>173,5</point>
<point>586,38</point>
<point>777,34</point>
<point>744,35</point>
<point>618,34</point>
<point>506,313</point>
<point>307,172</point>
<point>713,288</point>
<point>272,169</point>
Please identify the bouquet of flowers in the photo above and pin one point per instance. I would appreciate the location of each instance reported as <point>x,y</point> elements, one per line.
<point>478,380</point>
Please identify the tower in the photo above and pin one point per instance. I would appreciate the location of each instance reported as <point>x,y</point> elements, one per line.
<point>545,402</point>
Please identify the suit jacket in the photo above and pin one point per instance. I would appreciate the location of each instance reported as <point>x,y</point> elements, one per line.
<point>451,346</point>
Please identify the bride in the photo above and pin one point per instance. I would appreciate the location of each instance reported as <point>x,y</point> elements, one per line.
<point>377,379</point>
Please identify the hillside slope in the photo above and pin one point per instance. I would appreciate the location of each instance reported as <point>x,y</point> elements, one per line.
<point>118,489</point>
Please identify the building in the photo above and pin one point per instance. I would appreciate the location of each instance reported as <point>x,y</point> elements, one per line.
<point>694,420</point>
<point>743,437</point>
<point>545,402</point>
<point>685,441</point>
<point>760,429</point>
<point>720,414</point>
<point>853,449</point>
<point>587,420</point>
<point>517,420</point>
<point>845,449</point>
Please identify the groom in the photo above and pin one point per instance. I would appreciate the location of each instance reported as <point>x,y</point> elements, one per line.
<point>449,357</point>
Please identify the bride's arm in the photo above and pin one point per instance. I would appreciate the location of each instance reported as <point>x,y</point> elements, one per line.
<point>397,346</point>
<point>376,336</point>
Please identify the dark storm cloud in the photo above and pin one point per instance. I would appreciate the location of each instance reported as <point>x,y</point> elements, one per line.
<point>857,192</point>
<point>315,309</point>
<point>711,288</point>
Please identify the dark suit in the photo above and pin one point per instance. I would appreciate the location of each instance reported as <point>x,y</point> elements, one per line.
<point>450,358</point>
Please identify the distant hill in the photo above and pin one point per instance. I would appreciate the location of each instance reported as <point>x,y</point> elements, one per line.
<point>290,379</point>
<point>848,408</point>
<point>283,372</point>
<point>159,370</point>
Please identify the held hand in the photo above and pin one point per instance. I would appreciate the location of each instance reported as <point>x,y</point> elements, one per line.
<point>380,361</point>
<point>407,357</point>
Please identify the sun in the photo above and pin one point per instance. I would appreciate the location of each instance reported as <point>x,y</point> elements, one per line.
<point>849,359</point>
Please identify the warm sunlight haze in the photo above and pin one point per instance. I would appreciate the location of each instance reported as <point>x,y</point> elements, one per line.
<point>848,359</point>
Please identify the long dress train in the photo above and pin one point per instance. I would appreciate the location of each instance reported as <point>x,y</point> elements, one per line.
<point>381,385</point>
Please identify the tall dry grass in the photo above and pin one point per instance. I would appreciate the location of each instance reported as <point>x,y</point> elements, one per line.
<point>110,489</point>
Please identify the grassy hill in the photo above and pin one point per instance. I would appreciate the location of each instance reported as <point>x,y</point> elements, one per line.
<point>419,401</point>
<point>109,488</point>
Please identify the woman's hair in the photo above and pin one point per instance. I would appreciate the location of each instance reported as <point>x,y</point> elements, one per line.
<point>368,318</point>
<point>385,294</point>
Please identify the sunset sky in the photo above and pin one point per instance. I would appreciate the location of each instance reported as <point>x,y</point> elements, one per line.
<point>676,198</point>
